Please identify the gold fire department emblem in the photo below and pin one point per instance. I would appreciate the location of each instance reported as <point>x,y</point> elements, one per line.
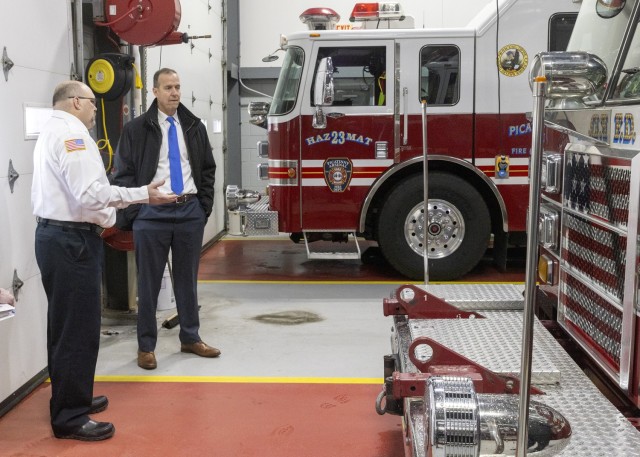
<point>512,60</point>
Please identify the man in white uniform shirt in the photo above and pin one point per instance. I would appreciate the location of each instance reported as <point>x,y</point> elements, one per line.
<point>74,202</point>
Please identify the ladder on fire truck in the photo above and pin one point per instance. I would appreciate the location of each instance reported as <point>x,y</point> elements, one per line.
<point>335,254</point>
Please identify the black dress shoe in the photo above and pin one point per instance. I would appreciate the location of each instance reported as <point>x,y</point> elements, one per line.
<point>98,404</point>
<point>91,431</point>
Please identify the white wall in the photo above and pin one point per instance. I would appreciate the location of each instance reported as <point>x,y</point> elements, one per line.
<point>40,64</point>
<point>262,23</point>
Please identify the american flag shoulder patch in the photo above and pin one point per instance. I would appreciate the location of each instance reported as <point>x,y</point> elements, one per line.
<point>76,144</point>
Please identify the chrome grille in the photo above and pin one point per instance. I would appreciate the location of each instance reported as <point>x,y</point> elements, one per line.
<point>594,316</point>
<point>596,252</point>
<point>597,188</point>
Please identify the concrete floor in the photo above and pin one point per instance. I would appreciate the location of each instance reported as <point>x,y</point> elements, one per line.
<point>267,330</point>
<point>299,373</point>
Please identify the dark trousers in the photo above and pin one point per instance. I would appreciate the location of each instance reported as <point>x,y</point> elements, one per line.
<point>70,262</point>
<point>179,227</point>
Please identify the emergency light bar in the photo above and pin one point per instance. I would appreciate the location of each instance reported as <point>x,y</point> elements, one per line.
<point>377,11</point>
<point>320,18</point>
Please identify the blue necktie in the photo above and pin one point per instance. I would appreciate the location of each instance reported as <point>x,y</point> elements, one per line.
<point>175,168</point>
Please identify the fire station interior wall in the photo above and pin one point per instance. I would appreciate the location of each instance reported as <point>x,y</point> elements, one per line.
<point>199,65</point>
<point>261,24</point>
<point>39,64</point>
<point>260,30</point>
<point>250,136</point>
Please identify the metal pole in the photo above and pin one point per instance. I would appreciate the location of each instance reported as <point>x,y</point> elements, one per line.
<point>79,41</point>
<point>143,75</point>
<point>539,89</point>
<point>425,194</point>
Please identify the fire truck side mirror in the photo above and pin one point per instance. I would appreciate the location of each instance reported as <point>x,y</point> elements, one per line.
<point>322,92</point>
<point>258,112</point>
<point>570,75</point>
<point>609,8</point>
<point>323,84</point>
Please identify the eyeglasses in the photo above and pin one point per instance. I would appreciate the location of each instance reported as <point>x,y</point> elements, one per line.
<point>92,100</point>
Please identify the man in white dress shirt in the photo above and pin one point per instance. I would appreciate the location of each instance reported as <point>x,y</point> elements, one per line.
<point>74,202</point>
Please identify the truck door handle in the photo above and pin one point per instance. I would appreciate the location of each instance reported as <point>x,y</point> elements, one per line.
<point>405,132</point>
<point>382,150</point>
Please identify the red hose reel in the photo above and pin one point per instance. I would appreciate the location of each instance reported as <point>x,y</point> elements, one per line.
<point>145,22</point>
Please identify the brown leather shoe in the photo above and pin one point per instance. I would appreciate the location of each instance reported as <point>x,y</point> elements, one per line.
<point>147,360</point>
<point>200,348</point>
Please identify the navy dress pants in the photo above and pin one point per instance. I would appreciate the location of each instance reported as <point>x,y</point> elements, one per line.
<point>70,262</point>
<point>156,230</point>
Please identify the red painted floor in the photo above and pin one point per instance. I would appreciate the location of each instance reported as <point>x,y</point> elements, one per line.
<point>216,419</point>
<point>238,419</point>
<point>282,260</point>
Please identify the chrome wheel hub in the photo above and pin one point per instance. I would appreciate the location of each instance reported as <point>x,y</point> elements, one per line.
<point>444,224</point>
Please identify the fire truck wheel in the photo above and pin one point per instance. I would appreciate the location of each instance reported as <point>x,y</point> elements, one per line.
<point>459,227</point>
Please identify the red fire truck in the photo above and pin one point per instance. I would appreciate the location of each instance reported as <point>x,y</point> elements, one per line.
<point>345,142</point>
<point>590,200</point>
<point>457,361</point>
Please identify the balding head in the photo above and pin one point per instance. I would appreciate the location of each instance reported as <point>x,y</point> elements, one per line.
<point>76,98</point>
<point>67,90</point>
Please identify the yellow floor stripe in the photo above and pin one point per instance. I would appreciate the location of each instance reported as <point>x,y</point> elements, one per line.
<point>239,379</point>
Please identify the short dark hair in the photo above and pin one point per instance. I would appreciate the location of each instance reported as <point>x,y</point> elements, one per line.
<point>162,71</point>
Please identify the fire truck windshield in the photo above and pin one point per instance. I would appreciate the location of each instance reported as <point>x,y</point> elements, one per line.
<point>286,93</point>
<point>605,31</point>
<point>601,34</point>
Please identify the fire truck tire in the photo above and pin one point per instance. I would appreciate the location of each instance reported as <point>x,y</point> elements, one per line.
<point>459,227</point>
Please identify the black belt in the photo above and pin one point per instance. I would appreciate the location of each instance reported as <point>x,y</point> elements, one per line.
<point>184,198</point>
<point>72,225</point>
